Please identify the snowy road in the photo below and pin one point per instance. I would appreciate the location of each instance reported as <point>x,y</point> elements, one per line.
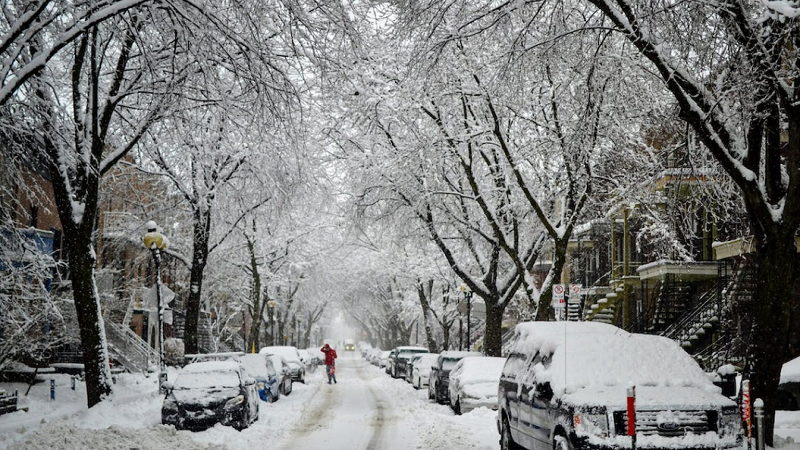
<point>352,414</point>
<point>366,410</point>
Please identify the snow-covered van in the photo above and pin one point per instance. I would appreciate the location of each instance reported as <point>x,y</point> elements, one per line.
<point>564,386</point>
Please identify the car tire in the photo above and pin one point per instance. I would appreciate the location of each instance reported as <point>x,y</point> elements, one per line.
<point>506,441</point>
<point>415,383</point>
<point>457,407</point>
<point>431,396</point>
<point>560,442</point>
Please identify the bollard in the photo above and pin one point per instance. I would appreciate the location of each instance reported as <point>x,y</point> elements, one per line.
<point>73,383</point>
<point>52,389</point>
<point>758,413</point>
<point>632,416</point>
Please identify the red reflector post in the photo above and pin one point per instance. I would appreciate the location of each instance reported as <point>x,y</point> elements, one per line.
<point>632,411</point>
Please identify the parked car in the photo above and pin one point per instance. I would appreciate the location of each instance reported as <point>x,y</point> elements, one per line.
<point>293,361</point>
<point>474,382</point>
<point>400,358</point>
<point>438,378</point>
<point>283,372</point>
<point>261,368</point>
<point>210,392</point>
<point>383,358</point>
<point>551,398</point>
<point>422,369</point>
<point>410,366</point>
<point>788,397</point>
<point>388,366</point>
<point>374,356</point>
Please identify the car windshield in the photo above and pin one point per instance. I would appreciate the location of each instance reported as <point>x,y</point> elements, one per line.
<point>408,353</point>
<point>449,363</point>
<point>210,379</point>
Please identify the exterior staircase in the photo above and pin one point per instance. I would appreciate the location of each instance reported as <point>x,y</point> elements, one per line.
<point>690,328</point>
<point>129,349</point>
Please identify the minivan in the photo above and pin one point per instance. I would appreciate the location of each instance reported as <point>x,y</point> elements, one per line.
<point>565,384</point>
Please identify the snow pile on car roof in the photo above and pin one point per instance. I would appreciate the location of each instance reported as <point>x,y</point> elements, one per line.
<point>452,354</point>
<point>211,366</point>
<point>289,353</point>
<point>255,365</point>
<point>479,369</point>
<point>588,354</point>
<point>791,371</point>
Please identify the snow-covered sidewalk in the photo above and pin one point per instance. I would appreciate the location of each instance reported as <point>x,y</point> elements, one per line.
<point>131,418</point>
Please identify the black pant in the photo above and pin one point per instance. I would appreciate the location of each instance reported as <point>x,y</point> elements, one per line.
<point>330,369</point>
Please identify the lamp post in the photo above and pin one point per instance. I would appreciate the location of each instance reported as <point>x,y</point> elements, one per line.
<point>156,243</point>
<point>468,297</point>
<point>272,304</point>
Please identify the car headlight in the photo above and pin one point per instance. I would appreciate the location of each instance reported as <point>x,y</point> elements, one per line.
<point>591,423</point>
<point>730,423</point>
<point>260,385</point>
<point>234,402</point>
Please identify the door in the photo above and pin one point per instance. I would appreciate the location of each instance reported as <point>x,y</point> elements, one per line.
<point>509,387</point>
<point>540,411</point>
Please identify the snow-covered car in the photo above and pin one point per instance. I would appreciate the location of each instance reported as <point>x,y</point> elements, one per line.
<point>373,356</point>
<point>410,366</point>
<point>293,361</point>
<point>474,382</point>
<point>788,396</point>
<point>283,373</point>
<point>564,386</point>
<point>382,359</point>
<point>422,369</point>
<point>400,359</point>
<point>210,392</point>
<point>317,357</point>
<point>261,368</point>
<point>439,377</point>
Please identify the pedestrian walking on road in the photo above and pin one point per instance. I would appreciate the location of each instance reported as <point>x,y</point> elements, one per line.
<point>330,362</point>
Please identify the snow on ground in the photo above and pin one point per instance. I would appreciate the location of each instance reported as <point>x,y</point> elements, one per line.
<point>131,418</point>
<point>366,409</point>
<point>787,426</point>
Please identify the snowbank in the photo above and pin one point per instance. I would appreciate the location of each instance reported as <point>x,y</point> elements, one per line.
<point>131,418</point>
<point>791,371</point>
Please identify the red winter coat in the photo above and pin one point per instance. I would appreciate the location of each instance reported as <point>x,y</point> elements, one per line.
<point>330,355</point>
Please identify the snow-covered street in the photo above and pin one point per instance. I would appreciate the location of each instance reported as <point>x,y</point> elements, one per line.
<point>367,409</point>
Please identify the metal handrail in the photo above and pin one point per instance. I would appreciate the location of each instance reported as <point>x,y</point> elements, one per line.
<point>689,317</point>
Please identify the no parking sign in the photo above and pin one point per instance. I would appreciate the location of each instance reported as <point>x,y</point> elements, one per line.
<point>558,296</point>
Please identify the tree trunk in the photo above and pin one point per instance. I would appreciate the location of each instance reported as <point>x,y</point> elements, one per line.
<point>493,339</point>
<point>424,301</point>
<point>446,336</point>
<point>776,270</point>
<point>546,297</point>
<point>90,321</point>
<point>199,259</point>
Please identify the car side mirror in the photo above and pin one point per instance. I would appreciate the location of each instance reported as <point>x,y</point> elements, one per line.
<point>249,381</point>
<point>168,385</point>
<point>544,391</point>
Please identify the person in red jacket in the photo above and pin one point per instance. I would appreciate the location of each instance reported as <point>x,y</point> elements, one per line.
<point>330,362</point>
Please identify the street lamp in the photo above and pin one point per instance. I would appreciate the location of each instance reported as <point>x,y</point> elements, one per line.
<point>272,304</point>
<point>468,297</point>
<point>157,243</point>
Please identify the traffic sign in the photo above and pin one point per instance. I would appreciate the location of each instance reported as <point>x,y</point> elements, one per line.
<point>575,290</point>
<point>558,296</point>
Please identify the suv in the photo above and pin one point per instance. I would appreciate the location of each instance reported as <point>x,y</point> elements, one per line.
<point>439,378</point>
<point>551,398</point>
<point>400,358</point>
